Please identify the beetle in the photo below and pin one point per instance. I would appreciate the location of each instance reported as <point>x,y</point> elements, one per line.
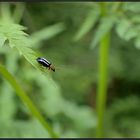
<point>44,62</point>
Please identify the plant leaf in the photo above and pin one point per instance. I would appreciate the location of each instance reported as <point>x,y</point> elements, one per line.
<point>131,33</point>
<point>89,22</point>
<point>104,27</point>
<point>18,39</point>
<point>46,33</point>
<point>2,39</point>
<point>122,27</point>
<point>137,42</point>
<point>133,7</point>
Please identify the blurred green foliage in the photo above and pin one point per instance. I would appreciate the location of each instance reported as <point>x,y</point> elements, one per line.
<point>68,35</point>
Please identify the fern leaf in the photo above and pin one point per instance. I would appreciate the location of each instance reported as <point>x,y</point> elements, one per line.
<point>87,25</point>
<point>18,39</point>
<point>104,27</point>
<point>2,39</point>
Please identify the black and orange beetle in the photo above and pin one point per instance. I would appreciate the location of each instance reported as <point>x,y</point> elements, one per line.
<point>45,63</point>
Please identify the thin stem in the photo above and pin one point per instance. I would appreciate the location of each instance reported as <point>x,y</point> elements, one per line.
<point>102,85</point>
<point>26,100</point>
<point>103,71</point>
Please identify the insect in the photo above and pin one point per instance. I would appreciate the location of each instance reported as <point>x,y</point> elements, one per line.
<point>45,63</point>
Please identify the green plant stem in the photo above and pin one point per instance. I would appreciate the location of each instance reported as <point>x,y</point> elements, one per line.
<point>102,84</point>
<point>26,100</point>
